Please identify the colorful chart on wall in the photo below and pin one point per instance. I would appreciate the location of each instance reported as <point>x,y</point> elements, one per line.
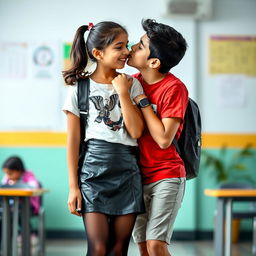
<point>13,64</point>
<point>66,55</point>
<point>232,55</point>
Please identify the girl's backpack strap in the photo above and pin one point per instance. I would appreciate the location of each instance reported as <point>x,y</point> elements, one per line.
<point>83,103</point>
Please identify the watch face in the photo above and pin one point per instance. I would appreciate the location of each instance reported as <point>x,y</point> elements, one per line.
<point>144,103</point>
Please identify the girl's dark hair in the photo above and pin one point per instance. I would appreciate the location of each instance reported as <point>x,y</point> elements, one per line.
<point>14,163</point>
<point>165,44</point>
<point>100,36</point>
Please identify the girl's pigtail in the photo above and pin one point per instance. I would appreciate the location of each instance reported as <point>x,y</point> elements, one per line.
<point>79,58</point>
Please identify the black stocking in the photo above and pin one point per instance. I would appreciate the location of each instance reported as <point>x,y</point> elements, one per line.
<point>120,233</point>
<point>97,230</point>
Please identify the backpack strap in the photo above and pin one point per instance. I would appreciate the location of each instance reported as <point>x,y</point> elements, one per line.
<point>83,92</point>
<point>175,143</point>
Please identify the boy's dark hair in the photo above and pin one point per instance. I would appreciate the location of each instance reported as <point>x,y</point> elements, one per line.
<point>165,44</point>
<point>14,163</point>
<point>100,36</point>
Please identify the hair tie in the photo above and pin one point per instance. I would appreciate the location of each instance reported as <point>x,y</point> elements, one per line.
<point>90,26</point>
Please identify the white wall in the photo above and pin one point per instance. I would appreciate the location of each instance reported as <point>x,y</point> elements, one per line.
<point>231,17</point>
<point>36,103</point>
<point>56,21</point>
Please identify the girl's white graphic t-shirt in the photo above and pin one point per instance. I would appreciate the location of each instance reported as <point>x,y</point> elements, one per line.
<point>105,120</point>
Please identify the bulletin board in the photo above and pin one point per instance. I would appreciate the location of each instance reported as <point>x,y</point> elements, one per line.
<point>232,55</point>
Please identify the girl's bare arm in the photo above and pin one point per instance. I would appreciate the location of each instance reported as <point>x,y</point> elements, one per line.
<point>73,143</point>
<point>132,116</point>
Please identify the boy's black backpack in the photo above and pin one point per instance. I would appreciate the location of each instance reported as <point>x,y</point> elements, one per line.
<point>83,90</point>
<point>189,144</point>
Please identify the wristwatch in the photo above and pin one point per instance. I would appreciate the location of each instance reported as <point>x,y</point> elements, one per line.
<point>144,103</point>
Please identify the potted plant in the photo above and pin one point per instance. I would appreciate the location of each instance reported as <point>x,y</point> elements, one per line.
<point>228,170</point>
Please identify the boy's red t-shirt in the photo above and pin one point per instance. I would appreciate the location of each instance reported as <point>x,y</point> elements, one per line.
<point>168,98</point>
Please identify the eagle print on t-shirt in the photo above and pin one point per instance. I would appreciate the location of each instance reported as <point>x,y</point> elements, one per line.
<point>104,107</point>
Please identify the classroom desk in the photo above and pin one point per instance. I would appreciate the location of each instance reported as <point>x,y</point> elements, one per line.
<point>225,198</point>
<point>20,196</point>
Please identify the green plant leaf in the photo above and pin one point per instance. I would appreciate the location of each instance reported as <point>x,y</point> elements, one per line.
<point>245,152</point>
<point>223,151</point>
<point>239,167</point>
<point>231,168</point>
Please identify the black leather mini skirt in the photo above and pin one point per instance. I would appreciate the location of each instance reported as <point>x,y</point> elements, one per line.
<point>110,180</point>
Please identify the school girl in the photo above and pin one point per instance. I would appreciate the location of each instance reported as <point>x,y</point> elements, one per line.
<point>107,192</point>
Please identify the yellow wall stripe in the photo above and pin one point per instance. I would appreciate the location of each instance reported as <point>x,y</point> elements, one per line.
<point>58,139</point>
<point>217,140</point>
<point>52,139</point>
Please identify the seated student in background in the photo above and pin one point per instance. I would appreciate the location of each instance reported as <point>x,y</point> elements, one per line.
<point>17,176</point>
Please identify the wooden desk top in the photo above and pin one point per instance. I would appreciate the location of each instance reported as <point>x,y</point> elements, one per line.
<point>21,192</point>
<point>230,192</point>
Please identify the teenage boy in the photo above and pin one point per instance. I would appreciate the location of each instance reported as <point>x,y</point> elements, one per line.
<point>163,107</point>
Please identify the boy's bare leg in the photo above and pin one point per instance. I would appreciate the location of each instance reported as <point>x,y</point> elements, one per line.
<point>143,249</point>
<point>157,248</point>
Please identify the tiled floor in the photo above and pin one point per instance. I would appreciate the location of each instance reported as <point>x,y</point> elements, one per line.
<point>178,248</point>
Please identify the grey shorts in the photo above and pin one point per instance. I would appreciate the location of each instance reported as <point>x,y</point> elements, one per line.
<point>162,200</point>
